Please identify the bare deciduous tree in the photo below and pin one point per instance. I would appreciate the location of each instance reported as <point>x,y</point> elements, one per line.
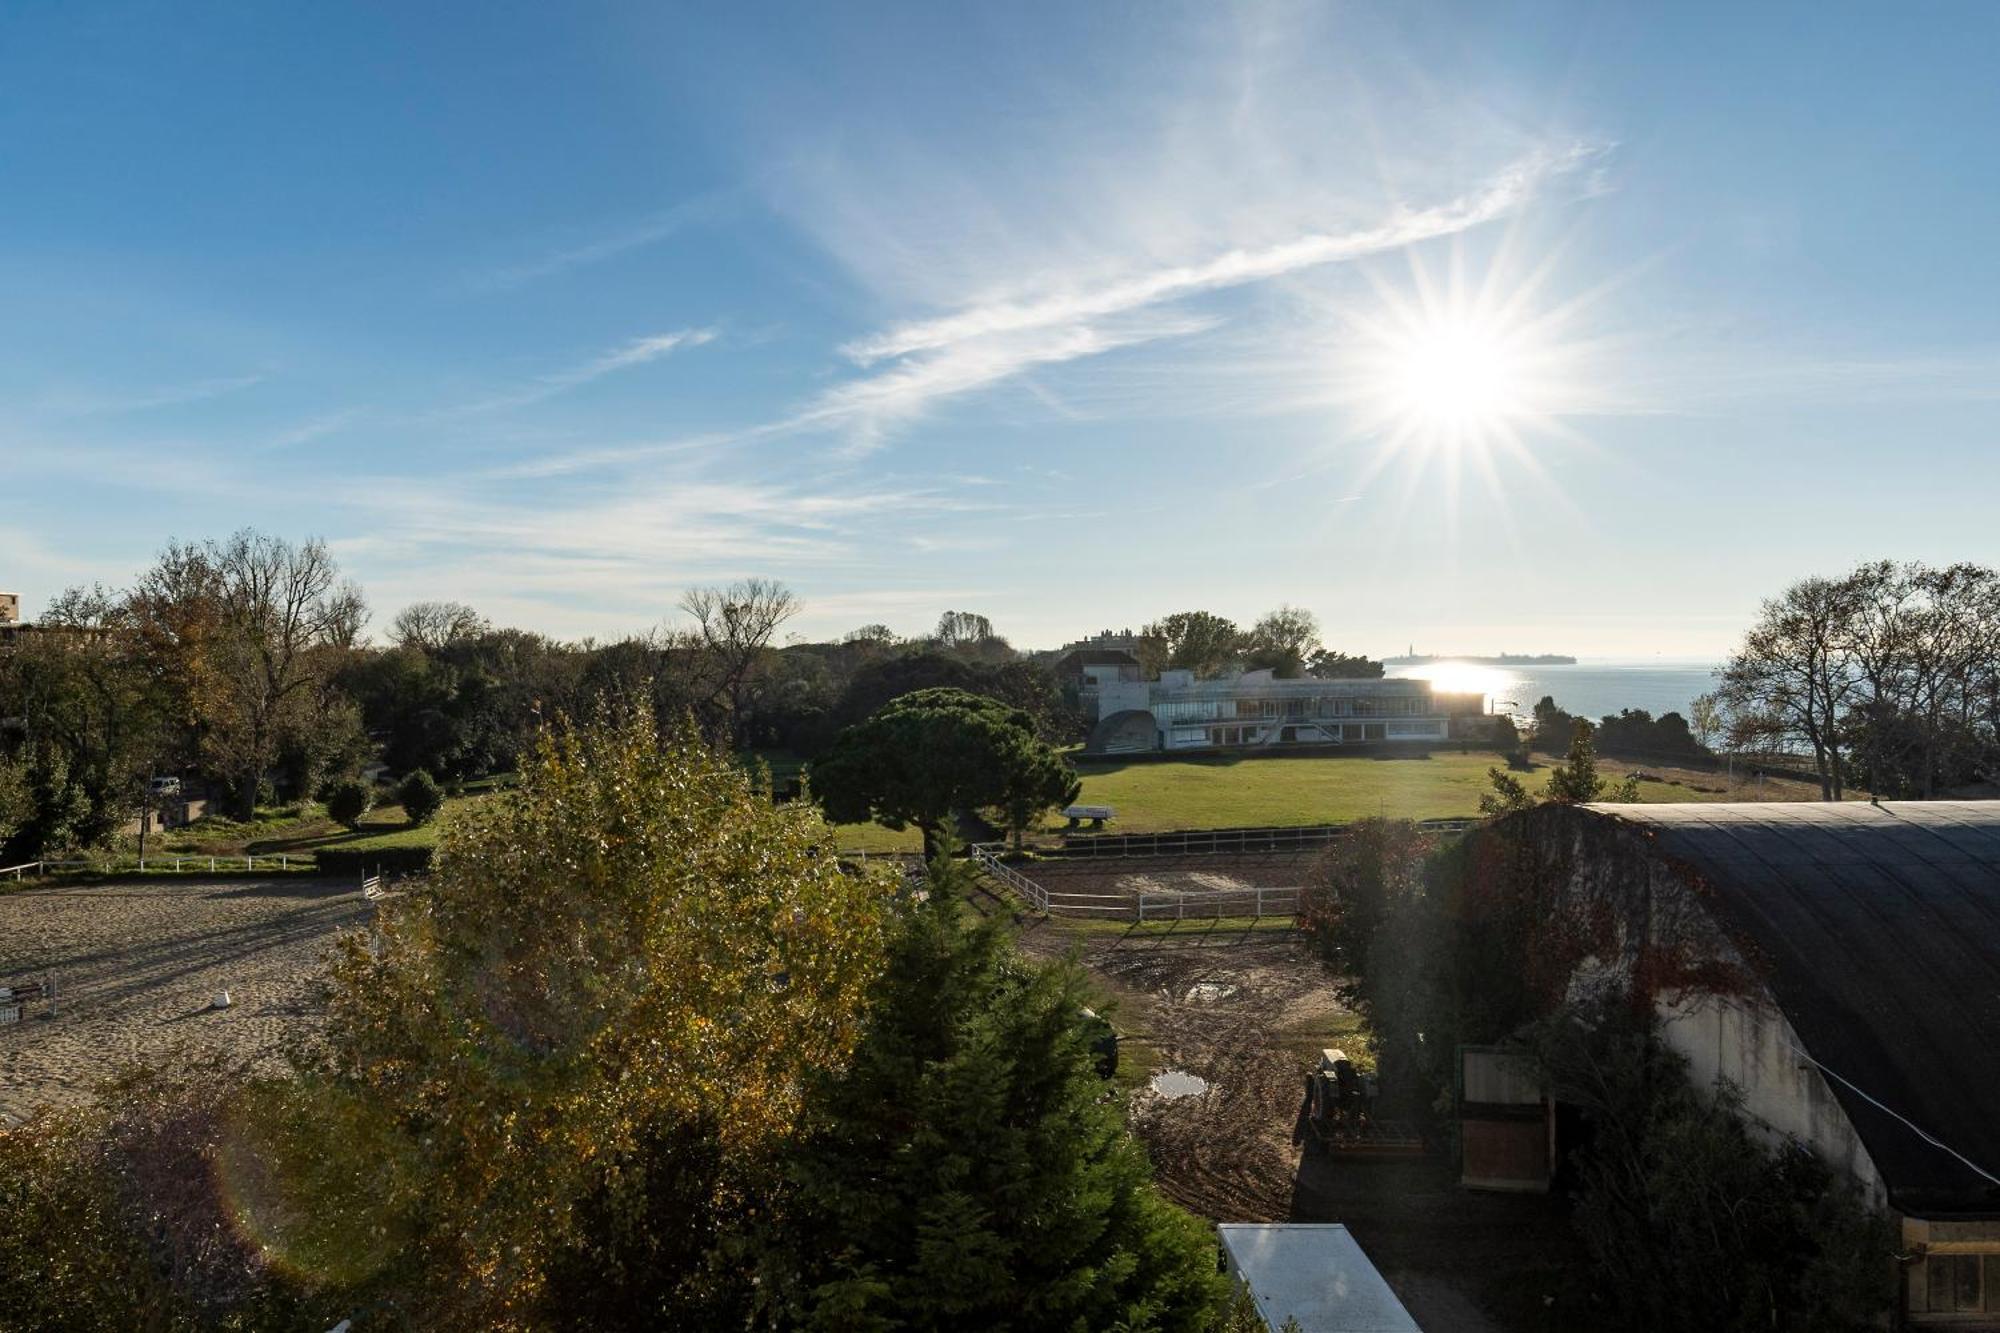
<point>732,630</point>
<point>250,630</point>
<point>1792,680</point>
<point>1891,671</point>
<point>430,626</point>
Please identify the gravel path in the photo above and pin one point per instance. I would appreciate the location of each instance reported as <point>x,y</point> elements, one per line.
<point>138,963</point>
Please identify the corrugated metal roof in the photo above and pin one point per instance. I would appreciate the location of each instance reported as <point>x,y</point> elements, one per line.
<point>1877,929</point>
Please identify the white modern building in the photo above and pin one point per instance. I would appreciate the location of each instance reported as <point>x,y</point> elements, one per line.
<point>1256,710</point>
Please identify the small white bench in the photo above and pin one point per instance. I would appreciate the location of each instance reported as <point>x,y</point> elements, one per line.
<point>1096,814</point>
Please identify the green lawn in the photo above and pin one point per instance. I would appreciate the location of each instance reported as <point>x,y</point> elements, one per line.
<point>875,838</point>
<point>1228,792</point>
<point>1207,792</point>
<point>303,829</point>
<point>1253,791</point>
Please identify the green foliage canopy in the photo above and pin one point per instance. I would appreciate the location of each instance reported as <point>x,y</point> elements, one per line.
<point>348,801</point>
<point>615,976</point>
<point>420,797</point>
<point>932,752</point>
<point>1199,641</point>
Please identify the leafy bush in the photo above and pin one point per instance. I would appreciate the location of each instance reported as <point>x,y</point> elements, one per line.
<point>137,1212</point>
<point>639,959</point>
<point>1691,1224</point>
<point>421,797</point>
<point>1369,910</point>
<point>372,860</point>
<point>348,801</point>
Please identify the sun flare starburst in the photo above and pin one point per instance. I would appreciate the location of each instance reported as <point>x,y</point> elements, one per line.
<point>1458,368</point>
<point>1456,375</point>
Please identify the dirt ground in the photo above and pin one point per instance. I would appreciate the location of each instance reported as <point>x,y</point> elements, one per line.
<point>1129,877</point>
<point>137,965</point>
<point>1248,1011</point>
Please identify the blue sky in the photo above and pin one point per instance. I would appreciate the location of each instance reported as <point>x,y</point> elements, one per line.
<point>1074,315</point>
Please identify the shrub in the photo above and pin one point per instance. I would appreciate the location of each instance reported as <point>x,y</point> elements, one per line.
<point>372,860</point>
<point>421,797</point>
<point>348,801</point>
<point>1692,1225</point>
<point>638,958</point>
<point>136,1211</point>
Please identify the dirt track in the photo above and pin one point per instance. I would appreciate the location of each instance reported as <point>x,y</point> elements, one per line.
<point>1194,874</point>
<point>138,964</point>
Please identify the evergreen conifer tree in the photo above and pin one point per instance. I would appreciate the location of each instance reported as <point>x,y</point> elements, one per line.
<point>969,1169</point>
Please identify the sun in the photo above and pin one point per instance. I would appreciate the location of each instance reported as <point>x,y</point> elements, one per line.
<point>1457,375</point>
<point>1456,367</point>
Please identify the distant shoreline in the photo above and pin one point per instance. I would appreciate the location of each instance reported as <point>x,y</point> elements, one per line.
<point>1503,659</point>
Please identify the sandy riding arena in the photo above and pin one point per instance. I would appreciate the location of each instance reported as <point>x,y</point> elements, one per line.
<point>1224,884</point>
<point>138,964</point>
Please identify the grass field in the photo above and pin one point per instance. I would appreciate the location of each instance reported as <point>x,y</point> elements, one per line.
<point>304,829</point>
<point>1207,792</point>
<point>1229,791</point>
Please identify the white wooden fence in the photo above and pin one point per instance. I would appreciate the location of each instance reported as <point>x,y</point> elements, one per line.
<point>1188,842</point>
<point>1255,902</point>
<point>1251,902</point>
<point>113,865</point>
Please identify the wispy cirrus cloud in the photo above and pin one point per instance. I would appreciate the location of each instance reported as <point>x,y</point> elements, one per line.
<point>1506,193</point>
<point>866,410</point>
<point>869,408</point>
<point>637,352</point>
<point>613,556</point>
<point>87,404</point>
<point>986,343</point>
<point>613,242</point>
<point>912,367</point>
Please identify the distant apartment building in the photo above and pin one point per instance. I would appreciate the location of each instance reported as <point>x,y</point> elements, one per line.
<point>1087,670</point>
<point>1255,710</point>
<point>1123,641</point>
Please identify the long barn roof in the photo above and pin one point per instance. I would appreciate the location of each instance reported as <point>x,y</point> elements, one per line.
<point>1877,930</point>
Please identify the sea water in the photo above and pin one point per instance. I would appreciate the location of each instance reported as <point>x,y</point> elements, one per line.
<point>1593,688</point>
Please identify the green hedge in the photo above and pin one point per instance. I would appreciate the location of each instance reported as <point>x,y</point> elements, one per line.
<point>367,861</point>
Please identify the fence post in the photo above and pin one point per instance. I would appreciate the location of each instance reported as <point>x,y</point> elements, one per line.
<point>211,865</point>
